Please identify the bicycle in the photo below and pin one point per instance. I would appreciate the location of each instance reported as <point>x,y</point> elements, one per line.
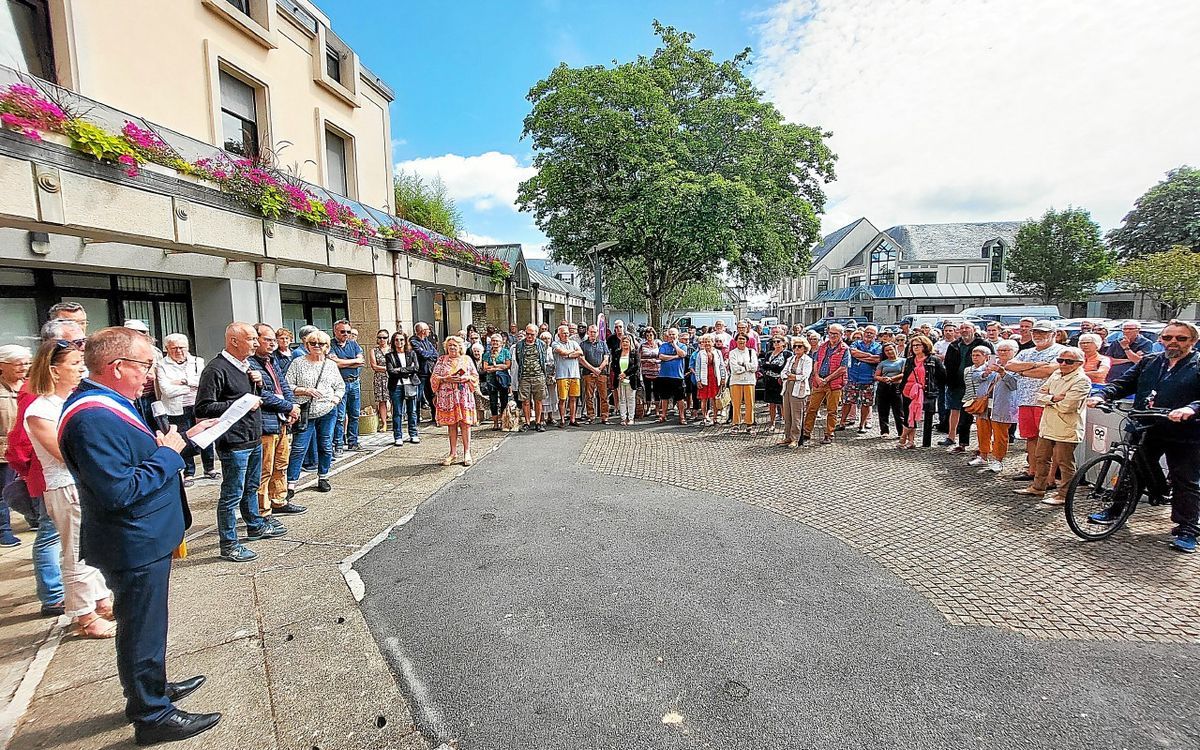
<point>1105,490</point>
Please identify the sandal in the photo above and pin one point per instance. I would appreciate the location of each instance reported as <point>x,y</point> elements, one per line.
<point>467,460</point>
<point>95,627</point>
<point>449,459</point>
<point>104,609</point>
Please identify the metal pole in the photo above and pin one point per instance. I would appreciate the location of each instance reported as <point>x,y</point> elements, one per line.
<point>599,290</point>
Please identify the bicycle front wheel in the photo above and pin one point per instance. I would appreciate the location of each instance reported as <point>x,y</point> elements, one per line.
<point>1101,496</point>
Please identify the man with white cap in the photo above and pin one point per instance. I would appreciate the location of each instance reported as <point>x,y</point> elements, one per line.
<point>1032,367</point>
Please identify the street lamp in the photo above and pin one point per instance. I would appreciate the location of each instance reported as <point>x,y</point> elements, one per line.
<point>598,273</point>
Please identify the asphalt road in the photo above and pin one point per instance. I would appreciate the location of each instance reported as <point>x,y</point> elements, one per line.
<point>536,604</point>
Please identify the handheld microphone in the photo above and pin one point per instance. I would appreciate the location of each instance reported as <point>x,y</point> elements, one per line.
<point>160,417</point>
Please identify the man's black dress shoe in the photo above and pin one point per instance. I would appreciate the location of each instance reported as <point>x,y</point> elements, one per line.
<point>178,725</point>
<point>177,691</point>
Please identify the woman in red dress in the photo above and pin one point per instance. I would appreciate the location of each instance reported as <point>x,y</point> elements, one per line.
<point>454,380</point>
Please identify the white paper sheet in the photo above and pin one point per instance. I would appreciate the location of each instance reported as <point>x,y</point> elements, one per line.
<point>236,411</point>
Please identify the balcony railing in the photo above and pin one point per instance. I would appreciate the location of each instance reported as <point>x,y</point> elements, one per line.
<point>36,107</point>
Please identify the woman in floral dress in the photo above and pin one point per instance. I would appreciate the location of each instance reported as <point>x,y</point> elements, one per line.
<point>454,381</point>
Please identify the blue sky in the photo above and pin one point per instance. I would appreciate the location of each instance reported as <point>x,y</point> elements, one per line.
<point>941,110</point>
<point>461,70</point>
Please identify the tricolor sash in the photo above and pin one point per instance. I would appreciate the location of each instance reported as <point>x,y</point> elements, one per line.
<point>106,402</point>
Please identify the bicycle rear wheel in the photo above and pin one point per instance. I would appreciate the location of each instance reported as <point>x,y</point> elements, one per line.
<point>1111,488</point>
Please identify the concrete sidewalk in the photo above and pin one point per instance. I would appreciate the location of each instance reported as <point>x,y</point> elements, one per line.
<point>288,656</point>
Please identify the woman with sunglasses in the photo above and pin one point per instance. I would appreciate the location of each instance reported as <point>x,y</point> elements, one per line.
<point>379,379</point>
<point>318,388</point>
<point>56,371</point>
<point>404,387</point>
<point>773,365</point>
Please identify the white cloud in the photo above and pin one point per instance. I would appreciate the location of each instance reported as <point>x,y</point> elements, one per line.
<point>480,239</point>
<point>959,110</point>
<point>484,181</point>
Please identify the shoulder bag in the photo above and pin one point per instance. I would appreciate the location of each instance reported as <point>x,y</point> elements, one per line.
<point>302,421</point>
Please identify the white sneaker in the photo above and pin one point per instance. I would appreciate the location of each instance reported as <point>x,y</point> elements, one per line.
<point>977,461</point>
<point>952,448</point>
<point>414,439</point>
<point>995,466</point>
<point>867,426</point>
<point>399,442</point>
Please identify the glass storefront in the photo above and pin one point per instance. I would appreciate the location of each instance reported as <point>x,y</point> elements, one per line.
<point>26,296</point>
<point>321,309</point>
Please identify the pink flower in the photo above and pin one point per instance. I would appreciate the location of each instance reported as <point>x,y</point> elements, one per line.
<point>130,164</point>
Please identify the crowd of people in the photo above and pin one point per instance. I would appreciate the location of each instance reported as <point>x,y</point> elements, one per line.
<point>100,433</point>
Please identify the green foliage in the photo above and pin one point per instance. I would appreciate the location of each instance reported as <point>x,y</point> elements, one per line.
<point>99,143</point>
<point>427,204</point>
<point>1059,258</point>
<point>1167,214</point>
<point>1171,278</point>
<point>625,293</point>
<point>678,159</point>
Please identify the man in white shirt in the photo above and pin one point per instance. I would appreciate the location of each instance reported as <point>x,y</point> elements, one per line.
<point>567,354</point>
<point>176,379</point>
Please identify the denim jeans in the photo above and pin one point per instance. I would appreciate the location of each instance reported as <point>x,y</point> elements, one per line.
<point>320,431</point>
<point>348,409</point>
<point>208,456</point>
<point>47,552</point>
<point>241,471</point>
<point>409,407</point>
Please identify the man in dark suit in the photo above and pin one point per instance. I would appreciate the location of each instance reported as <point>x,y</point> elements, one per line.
<point>134,513</point>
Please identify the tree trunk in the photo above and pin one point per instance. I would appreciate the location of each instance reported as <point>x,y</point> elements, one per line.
<point>654,307</point>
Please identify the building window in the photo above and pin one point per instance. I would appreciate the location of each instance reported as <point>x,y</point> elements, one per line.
<point>997,274</point>
<point>336,171</point>
<point>926,309</point>
<point>239,117</point>
<point>1118,309</point>
<point>242,5</point>
<point>883,263</point>
<point>333,64</point>
<point>822,286</point>
<point>26,40</point>
<point>919,277</point>
<point>856,281</point>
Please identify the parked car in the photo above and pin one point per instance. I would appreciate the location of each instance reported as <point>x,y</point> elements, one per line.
<point>706,318</point>
<point>1012,314</point>
<point>823,324</point>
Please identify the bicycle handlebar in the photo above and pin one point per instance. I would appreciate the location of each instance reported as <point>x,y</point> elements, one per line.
<point>1108,407</point>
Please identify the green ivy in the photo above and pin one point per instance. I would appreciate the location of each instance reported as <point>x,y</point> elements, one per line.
<point>101,144</point>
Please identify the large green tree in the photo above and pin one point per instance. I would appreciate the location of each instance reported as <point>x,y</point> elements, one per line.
<point>1059,258</point>
<point>1170,278</point>
<point>625,293</point>
<point>1166,215</point>
<point>427,203</point>
<point>678,159</point>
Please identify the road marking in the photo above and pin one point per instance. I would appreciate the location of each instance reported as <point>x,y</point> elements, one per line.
<point>431,714</point>
<point>16,708</point>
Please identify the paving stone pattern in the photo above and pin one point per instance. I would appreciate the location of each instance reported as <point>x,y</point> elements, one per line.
<point>979,553</point>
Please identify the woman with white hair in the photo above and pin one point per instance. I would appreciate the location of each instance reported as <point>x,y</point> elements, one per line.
<point>177,378</point>
<point>1095,364</point>
<point>14,366</point>
<point>454,380</point>
<point>994,426</point>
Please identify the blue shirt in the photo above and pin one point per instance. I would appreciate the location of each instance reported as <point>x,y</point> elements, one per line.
<point>673,368</point>
<point>1116,350</point>
<point>864,372</point>
<point>348,350</point>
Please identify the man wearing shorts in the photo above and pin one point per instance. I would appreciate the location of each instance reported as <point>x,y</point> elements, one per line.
<point>860,385</point>
<point>672,358</point>
<point>530,356</point>
<point>566,373</point>
<point>1032,367</point>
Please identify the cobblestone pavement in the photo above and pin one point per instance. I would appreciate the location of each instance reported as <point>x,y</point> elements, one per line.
<point>976,551</point>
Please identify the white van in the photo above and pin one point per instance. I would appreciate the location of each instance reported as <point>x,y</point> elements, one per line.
<point>1011,315</point>
<point>705,318</point>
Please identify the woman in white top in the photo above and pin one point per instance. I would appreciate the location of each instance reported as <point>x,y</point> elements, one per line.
<point>743,366</point>
<point>56,371</point>
<point>710,368</point>
<point>795,392</point>
<point>177,377</point>
<point>318,389</point>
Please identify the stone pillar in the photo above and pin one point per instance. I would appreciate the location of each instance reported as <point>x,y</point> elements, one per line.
<point>458,313</point>
<point>371,300</point>
<point>535,304</point>
<point>510,296</point>
<point>215,304</point>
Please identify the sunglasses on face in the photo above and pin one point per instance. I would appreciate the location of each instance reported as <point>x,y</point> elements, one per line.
<point>1173,337</point>
<point>1065,361</point>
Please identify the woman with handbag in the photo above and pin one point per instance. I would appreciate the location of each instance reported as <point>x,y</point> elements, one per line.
<point>979,381</point>
<point>318,388</point>
<point>454,380</point>
<point>497,380</point>
<point>626,378</point>
<point>404,387</point>
<point>712,375</point>
<point>920,382</point>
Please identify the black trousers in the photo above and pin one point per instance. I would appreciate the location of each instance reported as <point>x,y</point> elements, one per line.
<point>1183,474</point>
<point>427,396</point>
<point>140,605</point>
<point>889,403</point>
<point>498,400</point>
<point>208,456</point>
